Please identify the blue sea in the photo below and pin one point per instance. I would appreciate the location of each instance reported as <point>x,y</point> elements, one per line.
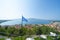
<point>30,21</point>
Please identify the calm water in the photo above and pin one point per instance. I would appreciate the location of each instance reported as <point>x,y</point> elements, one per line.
<point>30,21</point>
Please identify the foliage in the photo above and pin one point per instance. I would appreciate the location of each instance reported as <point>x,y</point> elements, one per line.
<point>2,39</point>
<point>22,31</point>
<point>34,30</point>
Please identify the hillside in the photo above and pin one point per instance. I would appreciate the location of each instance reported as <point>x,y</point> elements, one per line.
<point>3,21</point>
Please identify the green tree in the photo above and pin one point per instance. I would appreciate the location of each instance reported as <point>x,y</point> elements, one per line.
<point>38,31</point>
<point>22,31</point>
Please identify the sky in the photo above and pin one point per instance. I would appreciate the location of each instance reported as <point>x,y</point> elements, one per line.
<point>40,9</point>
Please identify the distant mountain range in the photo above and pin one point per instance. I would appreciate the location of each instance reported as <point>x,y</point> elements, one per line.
<point>3,21</point>
<point>30,21</point>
